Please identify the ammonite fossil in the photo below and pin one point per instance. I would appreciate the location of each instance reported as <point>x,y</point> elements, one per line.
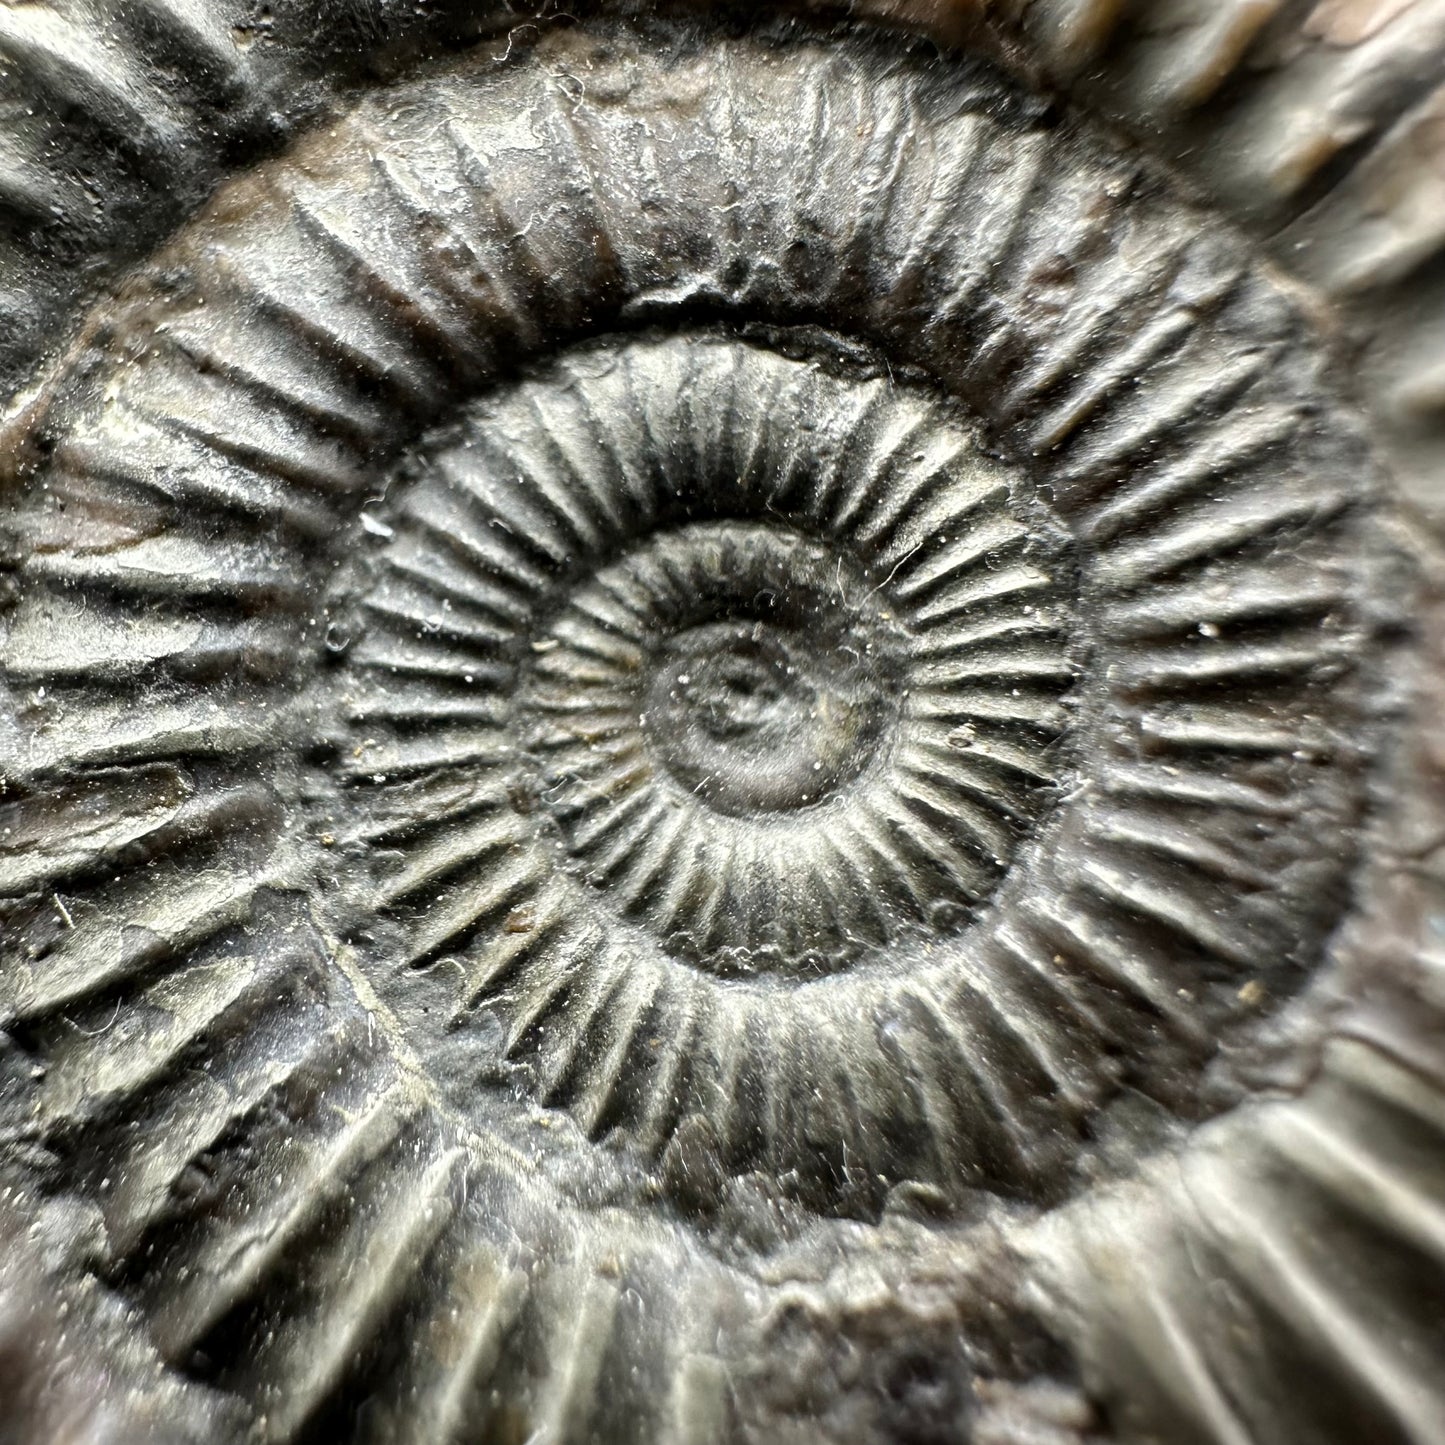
<point>720,726</point>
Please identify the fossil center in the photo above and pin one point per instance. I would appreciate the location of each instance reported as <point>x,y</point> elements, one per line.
<point>768,681</point>
<point>749,715</point>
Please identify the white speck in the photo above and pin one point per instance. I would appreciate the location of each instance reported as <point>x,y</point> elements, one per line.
<point>375,526</point>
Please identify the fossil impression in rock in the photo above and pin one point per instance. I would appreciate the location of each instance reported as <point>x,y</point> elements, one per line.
<point>722,727</point>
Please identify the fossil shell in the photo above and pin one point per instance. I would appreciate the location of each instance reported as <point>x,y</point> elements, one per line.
<point>703,723</point>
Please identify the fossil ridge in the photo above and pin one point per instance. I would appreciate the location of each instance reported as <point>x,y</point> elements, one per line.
<point>697,717</point>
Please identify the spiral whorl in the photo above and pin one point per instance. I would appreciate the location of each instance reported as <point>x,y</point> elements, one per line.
<point>669,693</point>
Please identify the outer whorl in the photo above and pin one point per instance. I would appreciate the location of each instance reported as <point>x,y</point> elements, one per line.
<point>693,717</point>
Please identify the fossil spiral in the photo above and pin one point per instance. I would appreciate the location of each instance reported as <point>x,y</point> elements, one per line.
<point>695,707</point>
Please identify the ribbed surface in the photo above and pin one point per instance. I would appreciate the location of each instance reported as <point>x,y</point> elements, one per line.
<point>1281,1280</point>
<point>121,118</point>
<point>362,1022</point>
